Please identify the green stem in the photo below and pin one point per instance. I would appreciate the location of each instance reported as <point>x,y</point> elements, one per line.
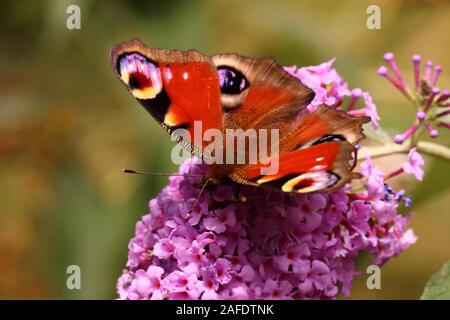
<point>424,147</point>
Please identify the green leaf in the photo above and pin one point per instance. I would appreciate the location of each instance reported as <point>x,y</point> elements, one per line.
<point>438,287</point>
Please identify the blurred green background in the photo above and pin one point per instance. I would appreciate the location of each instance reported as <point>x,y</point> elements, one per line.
<point>68,127</point>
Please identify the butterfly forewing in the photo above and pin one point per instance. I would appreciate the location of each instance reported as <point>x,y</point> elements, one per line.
<point>176,87</point>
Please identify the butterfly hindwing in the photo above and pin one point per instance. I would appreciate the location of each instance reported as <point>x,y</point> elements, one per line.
<point>321,167</point>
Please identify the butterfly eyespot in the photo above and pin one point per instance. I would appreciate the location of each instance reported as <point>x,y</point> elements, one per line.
<point>310,182</point>
<point>304,183</point>
<point>231,81</point>
<point>142,76</point>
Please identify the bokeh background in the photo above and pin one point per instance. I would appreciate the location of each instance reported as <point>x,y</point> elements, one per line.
<point>68,127</point>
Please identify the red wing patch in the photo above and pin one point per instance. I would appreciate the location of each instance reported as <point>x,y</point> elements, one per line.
<point>323,166</point>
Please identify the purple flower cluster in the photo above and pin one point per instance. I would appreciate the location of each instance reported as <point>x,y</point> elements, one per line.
<point>432,104</point>
<point>244,242</point>
<point>331,90</point>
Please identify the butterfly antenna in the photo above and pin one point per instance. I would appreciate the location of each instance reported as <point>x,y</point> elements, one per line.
<point>199,195</point>
<point>161,173</point>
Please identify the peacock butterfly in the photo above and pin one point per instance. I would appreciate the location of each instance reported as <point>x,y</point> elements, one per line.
<point>314,151</point>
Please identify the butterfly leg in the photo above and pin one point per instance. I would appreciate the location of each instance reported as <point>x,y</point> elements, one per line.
<point>211,201</point>
<point>199,195</point>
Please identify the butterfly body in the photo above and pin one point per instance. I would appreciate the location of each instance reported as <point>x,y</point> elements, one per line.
<point>237,96</point>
